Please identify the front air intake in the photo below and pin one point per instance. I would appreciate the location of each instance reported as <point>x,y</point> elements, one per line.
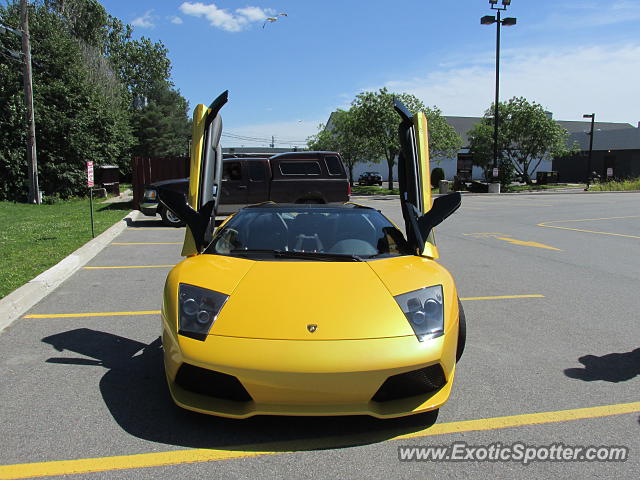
<point>409,384</point>
<point>211,383</point>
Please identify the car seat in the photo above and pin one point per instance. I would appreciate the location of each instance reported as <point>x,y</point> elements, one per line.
<point>267,231</point>
<point>306,232</point>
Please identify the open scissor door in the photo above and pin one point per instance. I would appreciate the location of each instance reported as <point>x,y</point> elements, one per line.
<point>414,177</point>
<point>205,177</point>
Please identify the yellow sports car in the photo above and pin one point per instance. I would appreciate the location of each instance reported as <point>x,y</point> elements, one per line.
<point>310,309</point>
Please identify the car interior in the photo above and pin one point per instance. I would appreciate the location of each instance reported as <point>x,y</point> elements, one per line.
<point>365,233</point>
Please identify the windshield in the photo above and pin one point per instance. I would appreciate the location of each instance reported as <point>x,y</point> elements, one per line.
<point>328,233</point>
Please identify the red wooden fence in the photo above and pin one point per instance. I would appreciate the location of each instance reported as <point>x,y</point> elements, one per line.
<point>150,170</point>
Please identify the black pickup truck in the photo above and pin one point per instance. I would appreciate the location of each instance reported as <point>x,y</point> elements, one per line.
<point>291,177</point>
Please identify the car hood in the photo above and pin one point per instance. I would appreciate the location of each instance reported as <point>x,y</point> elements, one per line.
<point>282,300</point>
<point>286,299</point>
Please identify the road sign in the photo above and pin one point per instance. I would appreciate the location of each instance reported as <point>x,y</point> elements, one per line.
<point>90,186</point>
<point>89,174</point>
<point>495,172</point>
<point>609,172</point>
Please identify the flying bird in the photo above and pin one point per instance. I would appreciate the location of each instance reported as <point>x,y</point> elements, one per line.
<point>273,19</point>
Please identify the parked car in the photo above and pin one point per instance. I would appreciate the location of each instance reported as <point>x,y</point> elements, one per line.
<point>291,177</point>
<point>312,309</point>
<point>370,178</point>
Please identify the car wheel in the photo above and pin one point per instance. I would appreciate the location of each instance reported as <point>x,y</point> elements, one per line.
<point>462,332</point>
<point>170,219</point>
<point>380,183</point>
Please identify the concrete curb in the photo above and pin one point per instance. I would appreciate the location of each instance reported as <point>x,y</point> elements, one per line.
<point>14,305</point>
<point>547,192</point>
<point>503,194</point>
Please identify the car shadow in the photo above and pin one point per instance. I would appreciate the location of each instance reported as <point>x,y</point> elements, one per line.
<point>154,223</point>
<point>613,367</point>
<point>134,390</point>
<point>151,223</point>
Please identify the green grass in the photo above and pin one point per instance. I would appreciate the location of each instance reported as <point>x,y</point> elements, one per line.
<point>33,238</point>
<point>632,184</point>
<point>373,190</point>
<point>527,188</point>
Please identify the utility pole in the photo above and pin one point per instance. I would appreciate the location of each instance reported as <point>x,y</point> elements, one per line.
<point>32,159</point>
<point>273,141</point>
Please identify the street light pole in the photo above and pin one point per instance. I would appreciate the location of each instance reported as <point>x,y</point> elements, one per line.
<point>507,22</point>
<point>496,115</point>
<point>592,116</point>
<point>32,159</point>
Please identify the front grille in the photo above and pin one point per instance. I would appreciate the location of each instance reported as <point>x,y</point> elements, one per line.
<point>211,383</point>
<point>409,384</point>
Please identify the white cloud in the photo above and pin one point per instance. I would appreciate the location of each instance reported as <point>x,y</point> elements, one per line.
<point>223,19</point>
<point>144,21</point>
<point>568,82</point>
<point>579,15</point>
<point>254,14</point>
<point>176,20</point>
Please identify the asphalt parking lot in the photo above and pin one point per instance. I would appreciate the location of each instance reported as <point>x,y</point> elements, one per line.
<point>549,284</point>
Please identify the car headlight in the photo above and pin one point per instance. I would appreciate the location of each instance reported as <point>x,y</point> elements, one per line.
<point>150,194</point>
<point>198,309</point>
<point>424,309</point>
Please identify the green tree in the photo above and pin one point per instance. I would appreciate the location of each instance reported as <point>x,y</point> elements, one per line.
<point>162,128</point>
<point>341,136</point>
<point>526,137</point>
<point>86,20</point>
<point>141,64</point>
<point>76,118</point>
<point>87,72</point>
<point>325,140</point>
<point>160,118</point>
<point>376,120</point>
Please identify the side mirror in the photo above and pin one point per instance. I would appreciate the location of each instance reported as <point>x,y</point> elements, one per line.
<point>442,207</point>
<point>198,222</point>
<point>422,225</point>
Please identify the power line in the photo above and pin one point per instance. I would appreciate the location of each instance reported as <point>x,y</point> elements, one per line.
<point>246,137</point>
<point>12,53</point>
<point>11,56</point>
<point>4,29</point>
<point>261,139</point>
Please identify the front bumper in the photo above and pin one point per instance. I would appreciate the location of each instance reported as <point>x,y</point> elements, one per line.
<point>285,377</point>
<point>149,208</point>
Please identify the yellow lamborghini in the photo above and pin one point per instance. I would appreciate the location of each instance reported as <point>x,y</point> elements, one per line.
<point>310,309</point>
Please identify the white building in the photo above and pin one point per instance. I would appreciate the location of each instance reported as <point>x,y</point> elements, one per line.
<point>462,125</point>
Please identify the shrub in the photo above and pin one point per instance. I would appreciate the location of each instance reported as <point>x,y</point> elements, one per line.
<point>437,174</point>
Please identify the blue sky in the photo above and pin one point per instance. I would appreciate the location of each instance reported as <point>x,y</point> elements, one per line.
<point>571,56</point>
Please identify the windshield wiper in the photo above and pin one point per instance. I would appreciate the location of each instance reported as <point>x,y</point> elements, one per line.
<point>323,256</point>
<point>318,255</point>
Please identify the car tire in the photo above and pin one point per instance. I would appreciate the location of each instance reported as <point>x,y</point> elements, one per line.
<point>169,218</point>
<point>462,332</point>
<point>380,183</point>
